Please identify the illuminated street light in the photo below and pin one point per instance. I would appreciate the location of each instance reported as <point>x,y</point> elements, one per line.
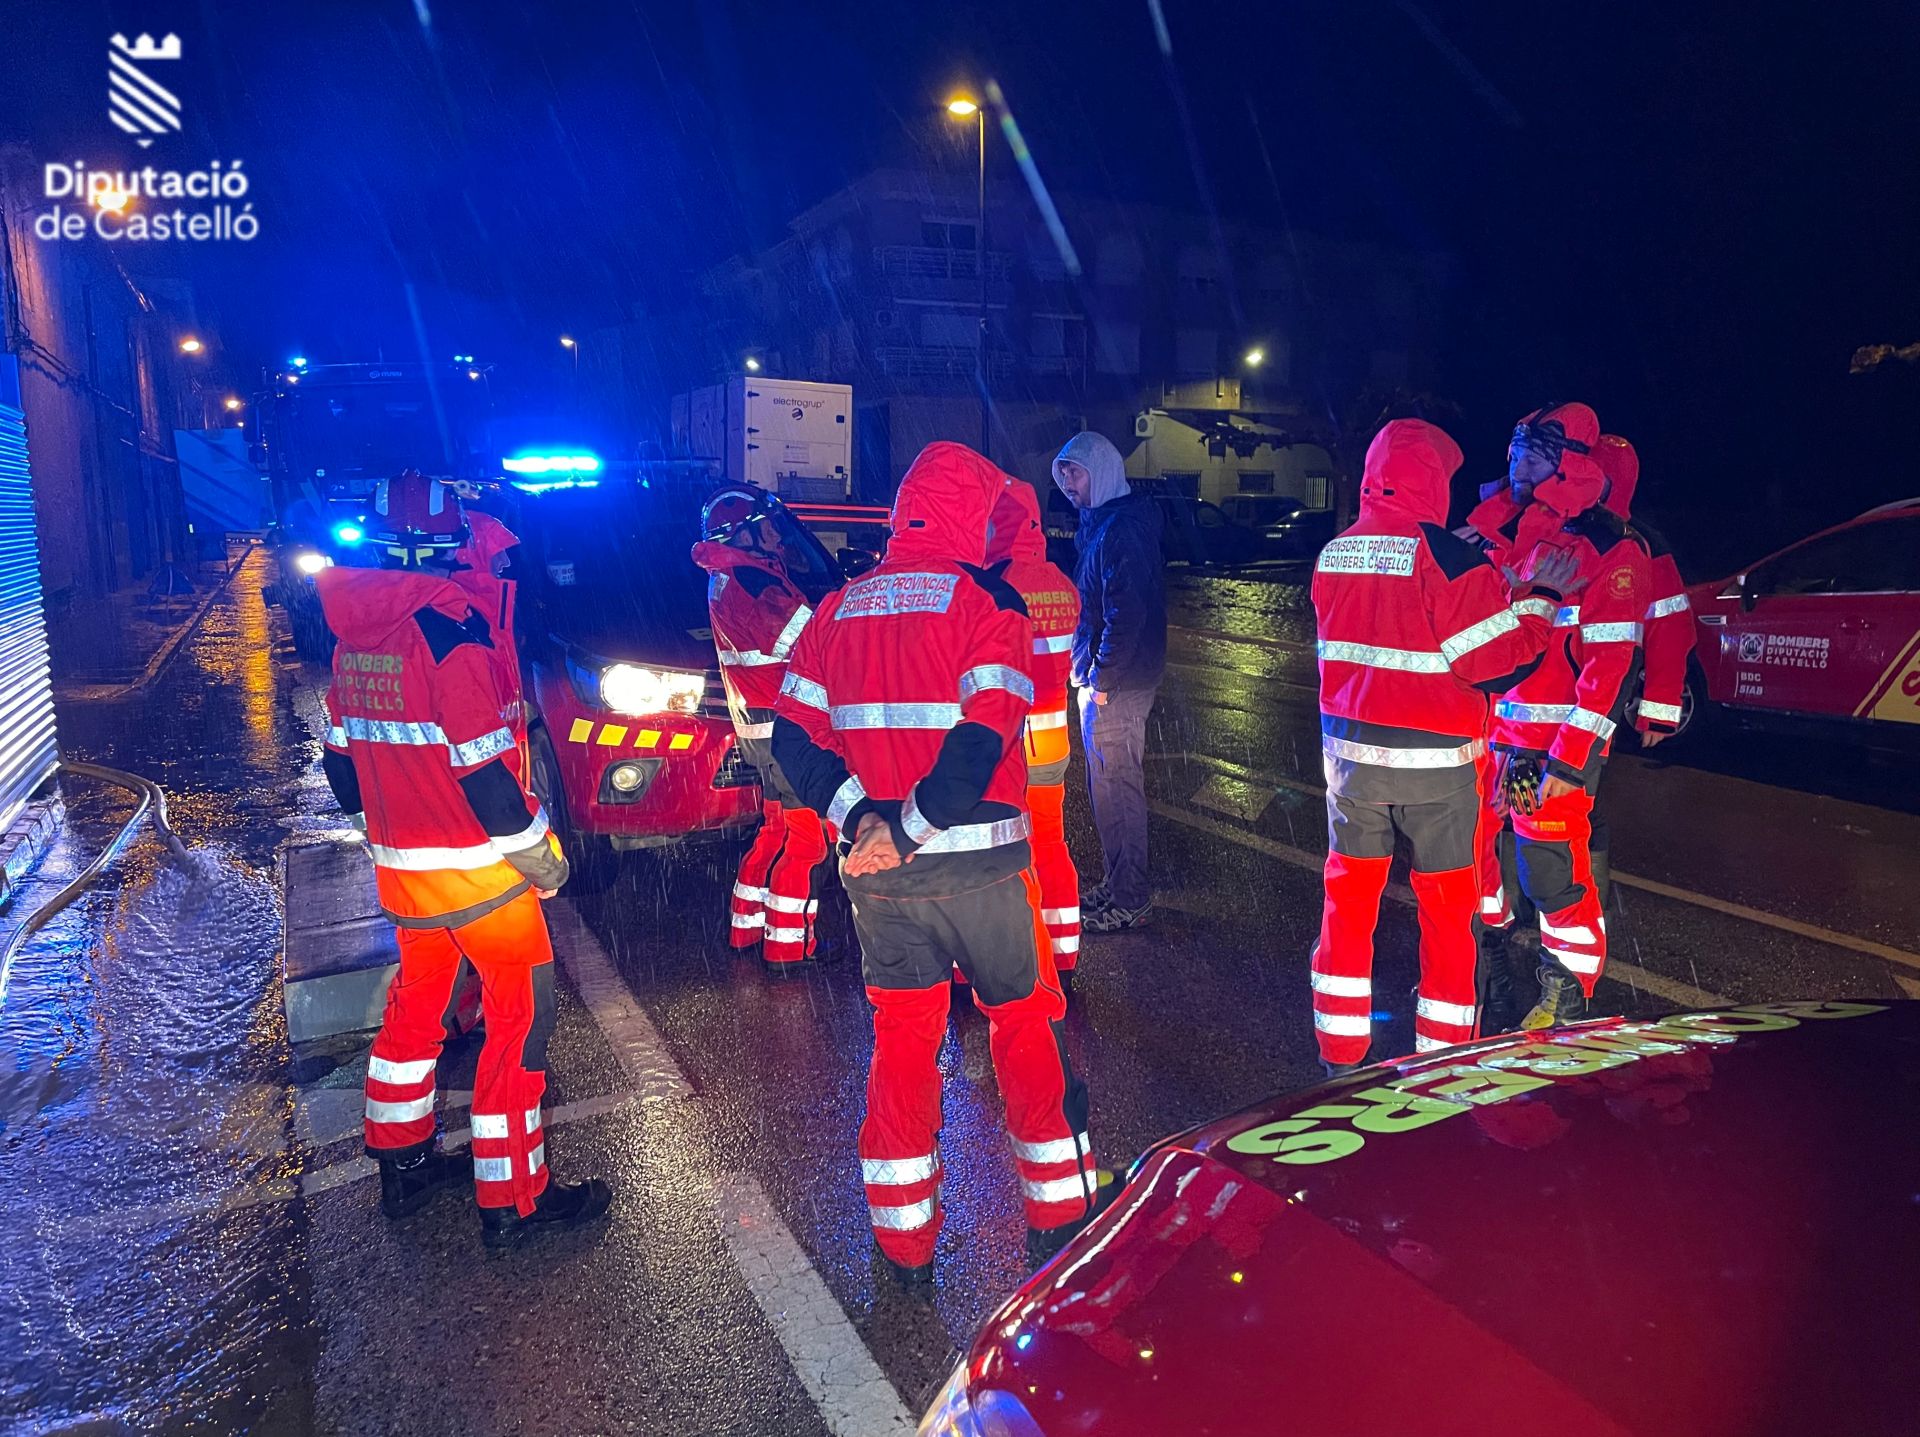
<point>190,345</point>
<point>299,361</point>
<point>566,341</point>
<point>962,107</point>
<point>112,200</point>
<point>753,365</point>
<point>1254,358</point>
<point>232,402</point>
<point>473,374</point>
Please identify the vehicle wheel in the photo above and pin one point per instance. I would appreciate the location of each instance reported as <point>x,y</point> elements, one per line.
<point>591,860</point>
<point>312,639</point>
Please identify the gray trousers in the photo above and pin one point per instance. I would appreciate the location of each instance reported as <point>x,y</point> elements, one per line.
<point>1114,735</point>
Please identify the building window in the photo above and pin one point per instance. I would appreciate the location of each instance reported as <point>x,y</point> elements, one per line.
<point>1256,481</point>
<point>1116,347</point>
<point>1196,352</point>
<point>1316,491</point>
<point>946,234</point>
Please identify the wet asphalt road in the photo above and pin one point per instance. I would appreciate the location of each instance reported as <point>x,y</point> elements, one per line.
<point>192,1238</point>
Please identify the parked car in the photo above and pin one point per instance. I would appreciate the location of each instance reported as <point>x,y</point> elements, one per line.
<point>631,745</point>
<point>1700,1224</point>
<point>1292,531</point>
<point>1192,531</point>
<point>1825,632</point>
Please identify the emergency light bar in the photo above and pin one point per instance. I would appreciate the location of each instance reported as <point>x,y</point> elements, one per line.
<point>553,464</point>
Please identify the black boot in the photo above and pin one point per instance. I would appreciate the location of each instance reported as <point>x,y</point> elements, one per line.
<point>561,1205</point>
<point>916,1280</point>
<point>408,1184</point>
<point>1044,1243</point>
<point>1496,994</point>
<point>1561,1000</point>
<point>1340,1070</point>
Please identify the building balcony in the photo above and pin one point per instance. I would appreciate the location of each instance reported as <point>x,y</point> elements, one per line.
<point>948,276</point>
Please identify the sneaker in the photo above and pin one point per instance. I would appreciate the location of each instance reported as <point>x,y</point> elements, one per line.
<point>561,1205</point>
<point>408,1184</point>
<point>1561,1000</point>
<point>1115,919</point>
<point>1093,899</point>
<point>1044,1243</point>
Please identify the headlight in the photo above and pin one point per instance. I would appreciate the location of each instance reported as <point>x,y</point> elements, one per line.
<point>631,689</point>
<point>995,1414</point>
<point>311,563</point>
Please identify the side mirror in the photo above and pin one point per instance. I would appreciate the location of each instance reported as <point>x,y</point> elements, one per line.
<point>1747,594</point>
<point>855,562</point>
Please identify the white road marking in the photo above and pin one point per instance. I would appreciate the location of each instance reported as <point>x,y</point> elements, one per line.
<point>854,1396</point>
<point>1681,994</point>
<point>1625,880</point>
<point>636,1042</point>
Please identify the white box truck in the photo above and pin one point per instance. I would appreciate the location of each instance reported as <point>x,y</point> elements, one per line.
<point>791,437</point>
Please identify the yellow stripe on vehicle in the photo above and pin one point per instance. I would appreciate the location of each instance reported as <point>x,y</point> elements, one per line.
<point>649,738</point>
<point>613,735</point>
<point>581,731</point>
<point>682,740</point>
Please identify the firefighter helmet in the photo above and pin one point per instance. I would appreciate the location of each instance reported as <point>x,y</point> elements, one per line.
<point>415,518</point>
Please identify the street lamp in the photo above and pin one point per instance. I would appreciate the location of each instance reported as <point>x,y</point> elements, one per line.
<point>752,365</point>
<point>963,108</point>
<point>190,345</point>
<point>232,402</point>
<point>1254,358</point>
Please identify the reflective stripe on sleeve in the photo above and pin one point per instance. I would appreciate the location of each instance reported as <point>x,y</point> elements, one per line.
<point>466,755</point>
<point>1660,713</point>
<point>979,679</point>
<point>396,731</point>
<point>904,1218</point>
<point>1434,1011</point>
<point>913,822</point>
<point>1344,1025</point>
<point>1340,985</point>
<point>1532,713</point>
<point>426,860</point>
<point>927,716</point>
<point>1382,757</point>
<point>1373,656</point>
<point>1568,617</point>
<point>1664,608</point>
<point>1041,722</point>
<point>844,798</point>
<point>748,658</point>
<point>898,1172</point>
<point>383,1070</point>
<point>1627,633</point>
<point>411,1111</point>
<point>1054,644</point>
<point>804,691</point>
<point>1543,608</point>
<point>1053,1150</point>
<point>1590,721</point>
<point>783,645</point>
<point>337,736</point>
<point>1484,632</point>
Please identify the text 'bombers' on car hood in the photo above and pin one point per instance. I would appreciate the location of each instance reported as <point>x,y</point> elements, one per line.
<point>1703,1224</point>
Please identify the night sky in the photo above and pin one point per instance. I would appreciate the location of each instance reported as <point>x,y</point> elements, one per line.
<point>1686,215</point>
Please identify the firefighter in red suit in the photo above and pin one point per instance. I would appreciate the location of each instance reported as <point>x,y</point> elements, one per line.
<point>902,716</point>
<point>417,753</point>
<point>1416,629</point>
<point>757,613</point>
<point>482,573</point>
<point>1017,552</point>
<point>1552,731</point>
<point>1667,644</point>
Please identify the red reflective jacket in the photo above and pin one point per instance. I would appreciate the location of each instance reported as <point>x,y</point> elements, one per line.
<point>1668,640</point>
<point>757,615</point>
<point>1415,625</point>
<point>415,705</point>
<point>909,691</point>
<point>485,550</point>
<point>1017,551</point>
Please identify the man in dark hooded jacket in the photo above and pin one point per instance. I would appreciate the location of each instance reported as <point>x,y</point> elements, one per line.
<point>1119,653</point>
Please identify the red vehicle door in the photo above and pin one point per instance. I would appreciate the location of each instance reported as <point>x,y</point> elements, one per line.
<point>1824,626</point>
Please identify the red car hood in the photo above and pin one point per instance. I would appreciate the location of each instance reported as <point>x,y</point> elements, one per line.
<point>1706,1224</point>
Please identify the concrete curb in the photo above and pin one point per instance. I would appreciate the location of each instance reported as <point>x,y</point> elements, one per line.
<point>27,842</point>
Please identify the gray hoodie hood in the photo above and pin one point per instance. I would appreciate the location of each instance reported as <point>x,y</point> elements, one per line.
<point>1101,460</point>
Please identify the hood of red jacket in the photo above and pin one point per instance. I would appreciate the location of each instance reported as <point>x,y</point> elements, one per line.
<point>1409,467</point>
<point>487,540</point>
<point>365,606</point>
<point>1017,531</point>
<point>1620,463</point>
<point>721,558</point>
<point>943,505</point>
<point>1576,488</point>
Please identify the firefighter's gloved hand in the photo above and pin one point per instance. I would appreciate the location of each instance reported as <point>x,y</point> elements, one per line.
<point>1520,782</point>
<point>541,866</point>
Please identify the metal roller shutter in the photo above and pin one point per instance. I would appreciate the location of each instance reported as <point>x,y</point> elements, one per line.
<point>28,752</point>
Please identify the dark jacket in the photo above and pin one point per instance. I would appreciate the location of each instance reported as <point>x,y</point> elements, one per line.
<point>1121,641</point>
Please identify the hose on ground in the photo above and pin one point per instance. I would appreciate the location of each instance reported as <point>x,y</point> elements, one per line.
<point>152,799</point>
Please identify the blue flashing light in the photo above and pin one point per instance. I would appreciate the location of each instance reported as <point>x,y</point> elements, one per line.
<point>554,464</point>
<point>1023,1341</point>
<point>299,361</point>
<point>349,533</point>
<point>547,486</point>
